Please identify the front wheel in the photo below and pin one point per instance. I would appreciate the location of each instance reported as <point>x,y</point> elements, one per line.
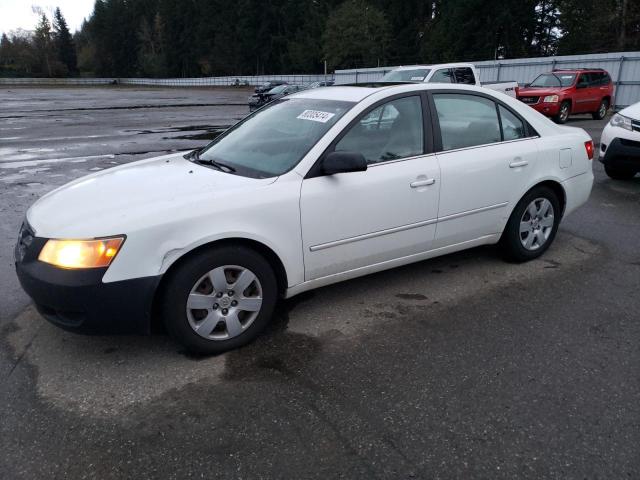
<point>532,226</point>
<point>563,114</point>
<point>219,299</point>
<point>602,110</point>
<point>618,173</point>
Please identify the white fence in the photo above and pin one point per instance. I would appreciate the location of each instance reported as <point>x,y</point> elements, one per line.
<point>624,69</point>
<point>168,82</point>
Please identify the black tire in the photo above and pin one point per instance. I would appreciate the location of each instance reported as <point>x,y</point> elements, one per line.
<point>602,110</point>
<point>565,111</point>
<point>618,173</point>
<point>511,243</point>
<point>181,280</point>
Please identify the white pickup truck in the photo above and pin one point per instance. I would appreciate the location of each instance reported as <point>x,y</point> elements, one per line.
<point>447,73</point>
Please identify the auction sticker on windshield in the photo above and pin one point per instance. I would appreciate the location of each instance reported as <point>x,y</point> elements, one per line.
<point>316,116</point>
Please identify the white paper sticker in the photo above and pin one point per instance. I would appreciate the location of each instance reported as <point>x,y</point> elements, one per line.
<point>417,79</point>
<point>566,76</point>
<point>316,116</point>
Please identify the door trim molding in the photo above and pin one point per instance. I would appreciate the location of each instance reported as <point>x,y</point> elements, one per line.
<point>410,226</point>
<point>366,236</point>
<point>453,216</point>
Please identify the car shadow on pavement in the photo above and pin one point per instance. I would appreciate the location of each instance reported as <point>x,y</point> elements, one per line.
<point>102,375</point>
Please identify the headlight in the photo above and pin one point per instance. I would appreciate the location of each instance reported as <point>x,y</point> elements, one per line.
<point>551,99</point>
<point>621,121</point>
<point>75,254</point>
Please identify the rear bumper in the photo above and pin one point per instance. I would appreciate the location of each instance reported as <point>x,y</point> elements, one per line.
<point>78,300</point>
<point>621,153</point>
<point>577,190</point>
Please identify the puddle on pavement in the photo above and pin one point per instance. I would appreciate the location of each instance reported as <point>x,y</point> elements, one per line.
<point>196,132</point>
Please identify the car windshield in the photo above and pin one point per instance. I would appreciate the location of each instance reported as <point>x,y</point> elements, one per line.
<point>554,80</point>
<point>413,75</point>
<point>273,140</point>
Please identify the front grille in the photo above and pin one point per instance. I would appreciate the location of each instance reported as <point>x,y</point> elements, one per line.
<point>635,125</point>
<point>529,100</point>
<point>25,239</point>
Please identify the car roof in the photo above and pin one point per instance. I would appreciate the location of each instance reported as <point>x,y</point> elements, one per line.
<point>439,65</point>
<point>353,93</point>
<point>578,70</point>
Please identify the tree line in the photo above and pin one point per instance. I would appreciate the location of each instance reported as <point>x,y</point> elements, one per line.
<point>184,38</point>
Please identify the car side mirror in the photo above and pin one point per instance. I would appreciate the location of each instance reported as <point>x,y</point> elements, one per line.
<point>343,162</point>
<point>581,85</point>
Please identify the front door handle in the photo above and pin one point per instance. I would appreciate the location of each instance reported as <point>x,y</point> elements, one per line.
<point>521,163</point>
<point>423,183</point>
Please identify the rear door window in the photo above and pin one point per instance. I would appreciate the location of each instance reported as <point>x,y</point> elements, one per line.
<point>464,75</point>
<point>444,75</point>
<point>512,127</point>
<point>466,120</point>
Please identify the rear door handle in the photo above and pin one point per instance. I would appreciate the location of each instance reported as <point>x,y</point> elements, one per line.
<point>423,183</point>
<point>521,163</point>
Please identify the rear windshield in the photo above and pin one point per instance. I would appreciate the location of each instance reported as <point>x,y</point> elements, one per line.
<point>554,80</point>
<point>415,75</point>
<point>274,139</point>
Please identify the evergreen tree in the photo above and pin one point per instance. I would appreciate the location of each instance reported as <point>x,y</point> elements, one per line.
<point>356,35</point>
<point>65,48</point>
<point>44,46</point>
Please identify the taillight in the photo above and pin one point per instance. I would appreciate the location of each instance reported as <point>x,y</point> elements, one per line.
<point>589,147</point>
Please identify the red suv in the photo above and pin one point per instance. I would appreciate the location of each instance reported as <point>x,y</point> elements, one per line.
<point>560,93</point>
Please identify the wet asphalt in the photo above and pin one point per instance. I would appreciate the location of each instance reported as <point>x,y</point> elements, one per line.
<point>458,367</point>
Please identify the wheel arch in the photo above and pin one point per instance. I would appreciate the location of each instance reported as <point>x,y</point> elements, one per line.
<point>554,185</point>
<point>271,256</point>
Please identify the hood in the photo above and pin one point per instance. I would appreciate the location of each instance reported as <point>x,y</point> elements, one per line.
<point>117,200</point>
<point>632,111</point>
<point>540,92</point>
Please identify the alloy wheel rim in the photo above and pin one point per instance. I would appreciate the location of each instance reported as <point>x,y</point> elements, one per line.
<point>536,224</point>
<point>564,112</point>
<point>603,109</point>
<point>224,302</point>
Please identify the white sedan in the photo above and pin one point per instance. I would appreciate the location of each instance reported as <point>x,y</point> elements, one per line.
<point>318,187</point>
<point>620,144</point>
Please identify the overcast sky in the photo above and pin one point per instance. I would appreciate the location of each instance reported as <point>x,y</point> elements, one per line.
<point>16,14</point>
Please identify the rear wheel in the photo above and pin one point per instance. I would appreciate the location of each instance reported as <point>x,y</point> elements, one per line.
<point>602,110</point>
<point>219,299</point>
<point>563,114</point>
<point>618,173</point>
<point>532,226</point>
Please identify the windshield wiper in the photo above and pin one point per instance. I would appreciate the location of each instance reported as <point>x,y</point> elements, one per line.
<point>195,156</point>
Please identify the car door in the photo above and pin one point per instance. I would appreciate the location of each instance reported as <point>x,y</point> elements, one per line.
<point>583,97</point>
<point>486,153</point>
<point>389,211</point>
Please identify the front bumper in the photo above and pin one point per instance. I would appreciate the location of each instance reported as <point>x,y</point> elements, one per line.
<point>621,152</point>
<point>548,109</point>
<point>78,300</point>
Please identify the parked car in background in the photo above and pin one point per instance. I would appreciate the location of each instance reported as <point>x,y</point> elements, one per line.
<point>464,73</point>
<point>328,83</point>
<point>259,99</point>
<point>561,93</point>
<point>265,87</point>
<point>315,188</point>
<point>620,144</point>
